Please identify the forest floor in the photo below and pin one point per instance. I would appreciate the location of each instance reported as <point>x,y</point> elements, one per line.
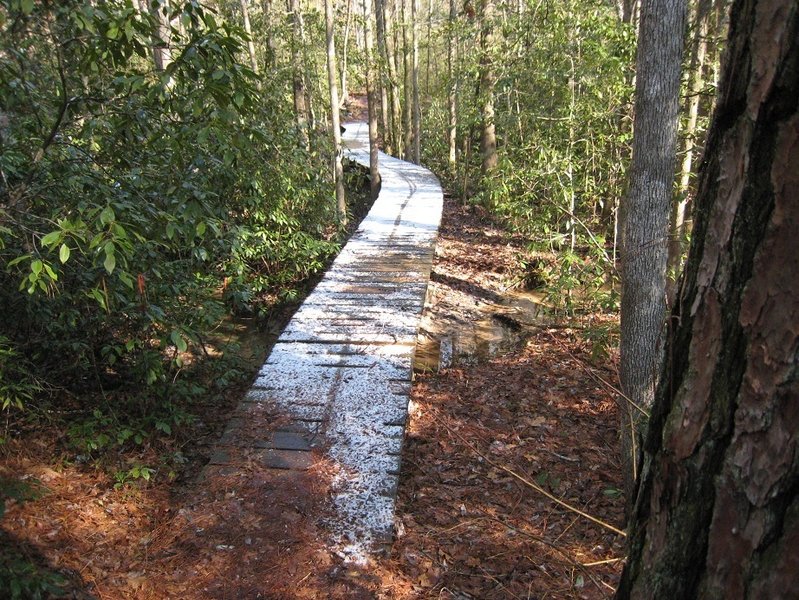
<point>496,431</point>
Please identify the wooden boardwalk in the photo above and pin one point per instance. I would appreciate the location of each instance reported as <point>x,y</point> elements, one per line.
<point>339,376</point>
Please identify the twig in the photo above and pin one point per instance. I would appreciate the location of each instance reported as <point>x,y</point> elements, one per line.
<point>607,384</point>
<point>561,456</point>
<point>488,575</point>
<point>546,542</point>
<point>532,485</point>
<point>608,561</point>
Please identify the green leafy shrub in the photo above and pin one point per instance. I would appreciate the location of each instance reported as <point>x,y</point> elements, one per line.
<point>138,206</point>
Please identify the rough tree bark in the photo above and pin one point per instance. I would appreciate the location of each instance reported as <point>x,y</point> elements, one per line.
<point>717,514</point>
<point>645,217</point>
<point>335,122</point>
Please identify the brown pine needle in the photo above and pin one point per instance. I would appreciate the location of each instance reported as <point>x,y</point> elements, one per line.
<point>534,486</point>
<point>592,373</point>
<point>547,543</point>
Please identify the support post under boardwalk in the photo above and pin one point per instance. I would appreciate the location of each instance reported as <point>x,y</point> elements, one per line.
<point>340,373</point>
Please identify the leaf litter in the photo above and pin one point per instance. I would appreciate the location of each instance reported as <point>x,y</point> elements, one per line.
<point>467,524</point>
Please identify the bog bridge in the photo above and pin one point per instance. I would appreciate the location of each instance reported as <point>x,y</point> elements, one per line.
<point>339,376</point>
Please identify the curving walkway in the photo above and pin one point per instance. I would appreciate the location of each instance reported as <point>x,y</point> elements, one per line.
<point>340,374</point>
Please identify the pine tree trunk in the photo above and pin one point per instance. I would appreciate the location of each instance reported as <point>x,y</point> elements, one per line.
<point>717,514</point>
<point>335,123</point>
<point>645,218</point>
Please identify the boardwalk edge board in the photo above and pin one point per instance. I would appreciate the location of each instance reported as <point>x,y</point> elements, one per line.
<point>340,372</point>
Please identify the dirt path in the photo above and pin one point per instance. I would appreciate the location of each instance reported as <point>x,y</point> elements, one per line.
<point>467,526</point>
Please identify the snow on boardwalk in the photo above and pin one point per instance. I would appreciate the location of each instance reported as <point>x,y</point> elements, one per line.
<point>341,371</point>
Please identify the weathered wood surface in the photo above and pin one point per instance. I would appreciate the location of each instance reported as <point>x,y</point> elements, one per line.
<point>341,371</point>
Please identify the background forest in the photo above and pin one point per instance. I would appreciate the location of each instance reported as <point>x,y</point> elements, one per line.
<point>166,164</point>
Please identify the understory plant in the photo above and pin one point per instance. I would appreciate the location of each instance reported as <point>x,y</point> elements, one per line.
<point>140,201</point>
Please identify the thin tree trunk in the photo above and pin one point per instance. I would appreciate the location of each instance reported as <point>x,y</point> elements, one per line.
<point>371,96</point>
<point>271,44</point>
<point>392,84</point>
<point>385,113</point>
<point>245,15</point>
<point>160,48</point>
<point>717,511</point>
<point>345,92</point>
<point>645,218</point>
<point>429,47</point>
<point>298,72</point>
<point>488,133</point>
<point>452,99</point>
<point>335,123</point>
<point>571,197</point>
<point>408,85</point>
<point>678,230</point>
<point>628,9</point>
<point>310,70</point>
<point>417,109</point>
